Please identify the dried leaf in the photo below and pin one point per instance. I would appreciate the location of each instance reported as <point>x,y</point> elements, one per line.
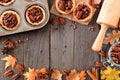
<point>43,71</point>
<point>91,75</point>
<point>11,61</point>
<point>82,75</point>
<point>74,75</point>
<point>110,74</point>
<point>56,75</point>
<point>37,73</point>
<point>113,37</point>
<point>30,75</point>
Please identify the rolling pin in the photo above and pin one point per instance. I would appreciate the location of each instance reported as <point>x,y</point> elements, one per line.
<point>108,17</point>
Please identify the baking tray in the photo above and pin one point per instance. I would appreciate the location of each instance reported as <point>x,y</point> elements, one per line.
<point>20,6</point>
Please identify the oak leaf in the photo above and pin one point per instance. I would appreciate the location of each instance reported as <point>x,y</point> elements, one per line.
<point>56,75</point>
<point>30,75</point>
<point>11,61</point>
<point>73,75</point>
<point>112,37</point>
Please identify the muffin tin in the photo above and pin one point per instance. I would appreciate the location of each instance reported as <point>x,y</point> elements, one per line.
<point>21,6</point>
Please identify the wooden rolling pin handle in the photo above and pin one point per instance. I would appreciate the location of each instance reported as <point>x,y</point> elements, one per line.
<point>99,40</point>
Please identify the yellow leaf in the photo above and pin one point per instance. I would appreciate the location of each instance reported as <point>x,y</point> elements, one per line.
<point>110,74</point>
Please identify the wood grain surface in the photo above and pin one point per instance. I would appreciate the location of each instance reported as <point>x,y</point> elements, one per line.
<point>55,47</point>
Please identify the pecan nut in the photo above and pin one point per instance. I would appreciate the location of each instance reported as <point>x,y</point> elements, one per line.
<point>102,53</point>
<point>62,20</point>
<point>54,20</point>
<point>12,45</point>
<point>99,64</point>
<point>65,72</point>
<point>8,73</point>
<point>20,67</point>
<point>15,76</point>
<point>6,42</point>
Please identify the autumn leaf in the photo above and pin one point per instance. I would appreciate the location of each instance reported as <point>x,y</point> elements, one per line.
<point>11,61</point>
<point>110,74</point>
<point>37,73</point>
<point>30,75</point>
<point>112,37</point>
<point>43,71</point>
<point>56,75</point>
<point>82,75</point>
<point>74,75</point>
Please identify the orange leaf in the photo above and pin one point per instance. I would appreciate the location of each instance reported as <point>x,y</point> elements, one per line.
<point>56,75</point>
<point>30,75</point>
<point>74,75</point>
<point>82,75</point>
<point>37,73</point>
<point>11,61</point>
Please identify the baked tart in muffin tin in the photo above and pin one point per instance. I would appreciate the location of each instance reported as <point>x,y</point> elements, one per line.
<point>10,20</point>
<point>35,15</point>
<point>83,12</point>
<point>6,2</point>
<point>65,6</point>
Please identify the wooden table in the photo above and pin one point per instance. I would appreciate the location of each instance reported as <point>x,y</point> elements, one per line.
<point>56,47</point>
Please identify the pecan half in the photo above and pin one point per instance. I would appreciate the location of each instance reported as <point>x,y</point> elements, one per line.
<point>99,64</point>
<point>6,42</point>
<point>62,20</point>
<point>15,76</point>
<point>102,53</point>
<point>20,67</point>
<point>54,20</point>
<point>8,73</point>
<point>96,5</point>
<point>65,72</point>
<point>12,45</point>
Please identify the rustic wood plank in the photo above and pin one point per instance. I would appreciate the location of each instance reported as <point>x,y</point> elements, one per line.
<point>62,46</point>
<point>84,57</point>
<point>79,46</point>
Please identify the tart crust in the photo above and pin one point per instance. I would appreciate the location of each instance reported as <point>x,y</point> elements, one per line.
<point>86,19</point>
<point>35,23</point>
<point>6,4</point>
<point>17,17</point>
<point>66,11</point>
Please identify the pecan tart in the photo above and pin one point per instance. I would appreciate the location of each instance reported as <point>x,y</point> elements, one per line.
<point>83,12</point>
<point>35,15</point>
<point>10,20</point>
<point>65,6</point>
<point>6,2</point>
